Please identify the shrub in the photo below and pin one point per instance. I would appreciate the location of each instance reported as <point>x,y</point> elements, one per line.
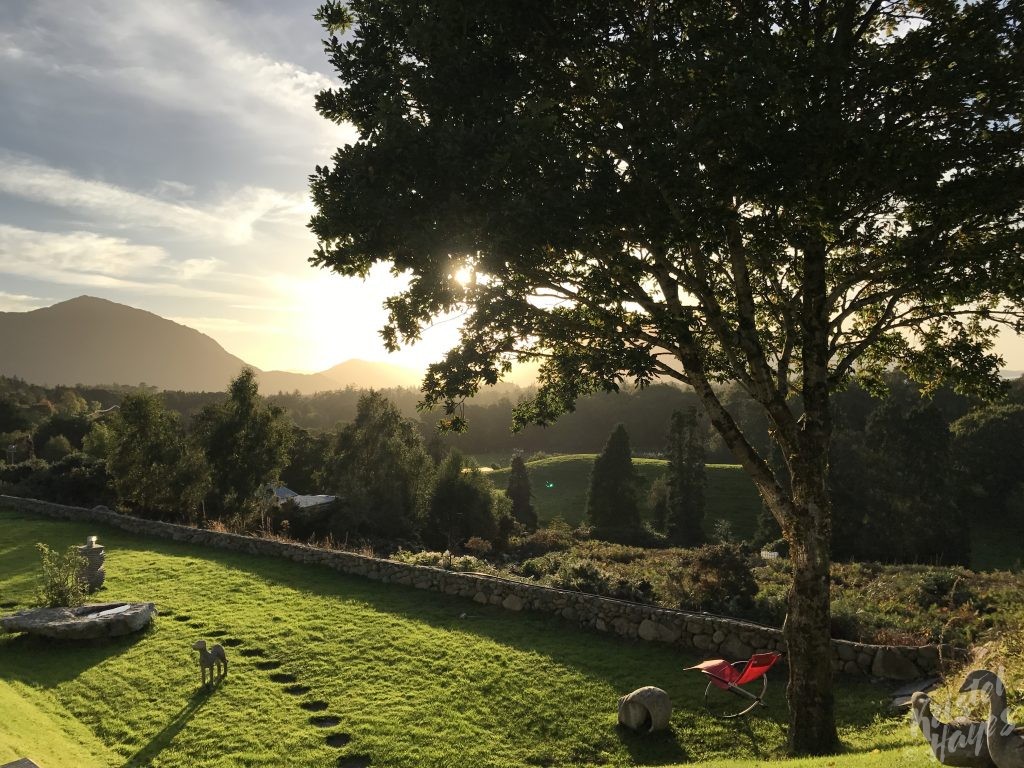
<point>55,448</point>
<point>713,577</point>
<point>945,587</point>
<point>76,479</point>
<point>557,536</point>
<point>12,474</point>
<point>543,566</point>
<point>478,547</point>
<point>582,576</point>
<point>61,586</point>
<point>466,563</point>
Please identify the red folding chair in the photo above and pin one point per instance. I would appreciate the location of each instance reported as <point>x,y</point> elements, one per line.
<point>729,680</point>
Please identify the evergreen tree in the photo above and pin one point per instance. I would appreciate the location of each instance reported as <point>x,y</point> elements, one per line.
<point>380,469</point>
<point>520,494</point>
<point>155,470</point>
<point>685,503</point>
<point>246,442</point>
<point>612,500</point>
<point>657,500</point>
<point>460,506</point>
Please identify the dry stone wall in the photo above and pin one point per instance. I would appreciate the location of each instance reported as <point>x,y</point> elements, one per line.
<point>713,635</point>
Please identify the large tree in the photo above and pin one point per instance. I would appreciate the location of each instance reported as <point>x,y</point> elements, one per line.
<point>154,468</point>
<point>779,194</point>
<point>612,505</point>
<point>246,441</point>
<point>684,516</point>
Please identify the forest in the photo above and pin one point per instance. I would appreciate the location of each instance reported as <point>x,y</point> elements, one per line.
<point>911,472</point>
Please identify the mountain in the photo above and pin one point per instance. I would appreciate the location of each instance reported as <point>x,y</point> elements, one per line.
<point>365,374</point>
<point>94,341</point>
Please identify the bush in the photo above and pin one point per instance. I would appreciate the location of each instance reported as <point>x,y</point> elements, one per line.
<point>76,479</point>
<point>12,474</point>
<point>541,567</point>
<point>478,547</point>
<point>715,577</point>
<point>56,448</point>
<point>945,587</point>
<point>582,576</point>
<point>464,564</point>
<point>556,537</point>
<point>61,586</point>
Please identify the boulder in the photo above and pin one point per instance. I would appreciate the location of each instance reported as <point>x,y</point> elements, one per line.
<point>88,622</point>
<point>890,664</point>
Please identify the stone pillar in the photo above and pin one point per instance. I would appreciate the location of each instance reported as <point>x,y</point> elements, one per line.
<point>93,573</point>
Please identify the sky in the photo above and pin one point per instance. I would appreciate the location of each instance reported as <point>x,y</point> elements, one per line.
<point>157,154</point>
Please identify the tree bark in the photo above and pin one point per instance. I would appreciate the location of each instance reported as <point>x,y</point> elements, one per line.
<point>807,628</point>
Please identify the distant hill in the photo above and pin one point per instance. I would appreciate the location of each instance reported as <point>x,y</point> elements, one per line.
<point>87,340</point>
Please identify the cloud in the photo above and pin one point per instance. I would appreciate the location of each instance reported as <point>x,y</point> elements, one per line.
<point>186,56</point>
<point>18,302</point>
<point>92,260</point>
<point>230,220</point>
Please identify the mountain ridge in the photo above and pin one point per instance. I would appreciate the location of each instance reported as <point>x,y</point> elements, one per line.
<point>92,340</point>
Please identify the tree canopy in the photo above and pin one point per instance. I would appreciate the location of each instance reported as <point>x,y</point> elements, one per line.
<point>782,194</point>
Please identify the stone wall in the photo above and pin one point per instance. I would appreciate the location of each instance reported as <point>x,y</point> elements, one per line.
<point>713,635</point>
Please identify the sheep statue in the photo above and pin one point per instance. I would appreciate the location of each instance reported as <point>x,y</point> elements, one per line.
<point>645,710</point>
<point>214,660</point>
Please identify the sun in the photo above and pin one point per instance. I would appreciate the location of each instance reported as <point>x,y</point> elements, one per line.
<point>465,276</point>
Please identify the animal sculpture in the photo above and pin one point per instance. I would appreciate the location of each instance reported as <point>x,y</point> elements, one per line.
<point>961,742</point>
<point>1005,740</point>
<point>214,660</point>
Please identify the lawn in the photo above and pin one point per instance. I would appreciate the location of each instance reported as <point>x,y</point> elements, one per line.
<point>413,679</point>
<point>560,485</point>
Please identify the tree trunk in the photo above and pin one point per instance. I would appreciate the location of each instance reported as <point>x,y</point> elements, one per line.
<point>807,629</point>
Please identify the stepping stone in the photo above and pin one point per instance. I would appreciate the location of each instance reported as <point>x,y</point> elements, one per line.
<point>354,761</point>
<point>23,763</point>
<point>314,706</point>
<point>253,652</point>
<point>283,677</point>
<point>183,618</point>
<point>231,642</point>
<point>338,739</point>
<point>297,690</point>
<point>325,721</point>
<point>265,665</point>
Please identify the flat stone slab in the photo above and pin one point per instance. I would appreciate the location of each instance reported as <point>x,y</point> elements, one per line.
<point>88,622</point>
<point>23,763</point>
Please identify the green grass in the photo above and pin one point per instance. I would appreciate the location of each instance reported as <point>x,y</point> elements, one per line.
<point>417,679</point>
<point>560,486</point>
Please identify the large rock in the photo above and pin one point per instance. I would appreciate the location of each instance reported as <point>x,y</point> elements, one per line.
<point>890,664</point>
<point>645,710</point>
<point>86,623</point>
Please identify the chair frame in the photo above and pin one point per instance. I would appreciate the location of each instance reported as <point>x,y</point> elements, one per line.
<point>717,682</point>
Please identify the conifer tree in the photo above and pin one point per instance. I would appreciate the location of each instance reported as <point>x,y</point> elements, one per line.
<point>520,494</point>
<point>612,501</point>
<point>686,482</point>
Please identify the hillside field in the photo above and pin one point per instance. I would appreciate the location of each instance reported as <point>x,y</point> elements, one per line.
<point>560,486</point>
<point>412,678</point>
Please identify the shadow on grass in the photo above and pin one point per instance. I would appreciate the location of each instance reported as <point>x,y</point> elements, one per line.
<point>661,748</point>
<point>44,662</point>
<point>160,741</point>
<point>622,664</point>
